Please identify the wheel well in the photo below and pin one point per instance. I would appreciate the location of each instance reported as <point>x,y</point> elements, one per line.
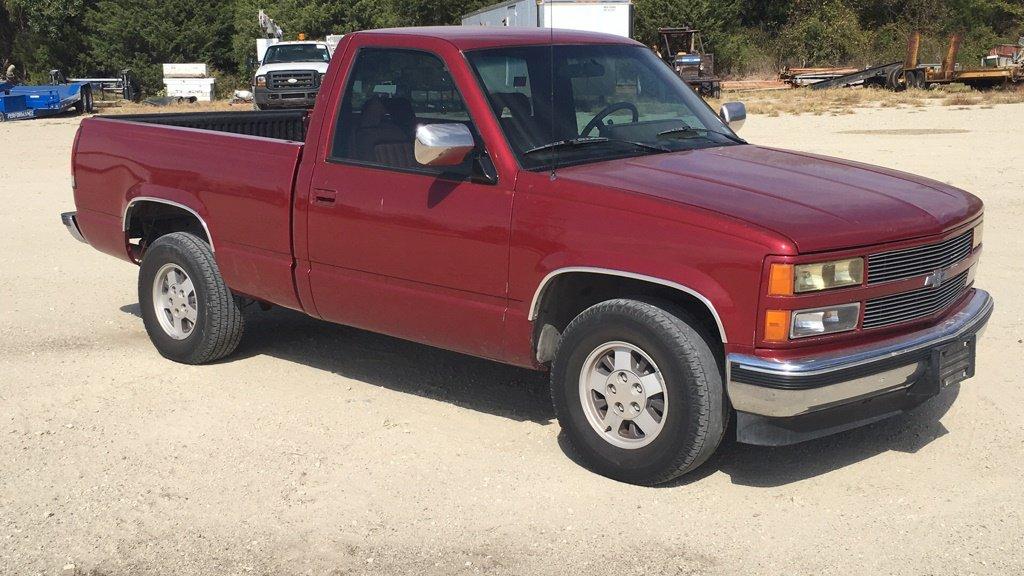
<point>569,294</point>
<point>145,221</point>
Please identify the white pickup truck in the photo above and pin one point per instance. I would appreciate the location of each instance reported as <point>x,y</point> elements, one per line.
<point>289,75</point>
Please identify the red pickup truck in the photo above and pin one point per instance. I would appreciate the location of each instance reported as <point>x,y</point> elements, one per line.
<point>561,201</point>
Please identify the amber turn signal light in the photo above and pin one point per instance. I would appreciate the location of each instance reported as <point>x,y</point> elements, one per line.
<point>776,325</point>
<point>780,280</point>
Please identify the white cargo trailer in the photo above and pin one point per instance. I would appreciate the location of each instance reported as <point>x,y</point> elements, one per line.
<point>609,16</point>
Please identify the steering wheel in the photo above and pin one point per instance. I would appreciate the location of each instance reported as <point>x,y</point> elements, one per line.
<point>598,121</point>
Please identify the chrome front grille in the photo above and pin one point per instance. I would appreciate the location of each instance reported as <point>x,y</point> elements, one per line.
<point>919,260</point>
<point>888,310</point>
<point>303,80</point>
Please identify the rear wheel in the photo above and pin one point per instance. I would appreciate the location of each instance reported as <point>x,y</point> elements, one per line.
<point>189,313</point>
<point>895,80</point>
<point>915,79</point>
<point>638,391</point>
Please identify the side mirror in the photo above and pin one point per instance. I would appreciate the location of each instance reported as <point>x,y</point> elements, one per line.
<point>443,144</point>
<point>483,170</point>
<point>734,114</point>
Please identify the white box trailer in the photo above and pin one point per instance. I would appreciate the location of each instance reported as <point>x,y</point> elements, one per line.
<point>609,16</point>
<point>176,70</point>
<point>202,89</point>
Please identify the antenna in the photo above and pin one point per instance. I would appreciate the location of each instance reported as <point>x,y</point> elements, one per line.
<point>551,82</point>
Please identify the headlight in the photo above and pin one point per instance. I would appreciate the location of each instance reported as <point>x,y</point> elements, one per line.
<point>789,279</point>
<point>261,81</point>
<point>827,320</point>
<point>978,233</point>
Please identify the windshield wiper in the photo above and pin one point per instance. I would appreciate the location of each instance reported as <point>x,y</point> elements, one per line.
<point>573,142</point>
<point>696,133</point>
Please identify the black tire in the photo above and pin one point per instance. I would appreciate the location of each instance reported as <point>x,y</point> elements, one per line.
<point>85,102</point>
<point>915,79</point>
<point>698,413</point>
<point>218,327</point>
<point>895,80</point>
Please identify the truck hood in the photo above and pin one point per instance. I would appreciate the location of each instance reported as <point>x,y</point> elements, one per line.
<point>819,203</point>
<point>320,67</point>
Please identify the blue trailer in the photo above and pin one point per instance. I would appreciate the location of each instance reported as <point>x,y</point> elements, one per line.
<point>26,102</point>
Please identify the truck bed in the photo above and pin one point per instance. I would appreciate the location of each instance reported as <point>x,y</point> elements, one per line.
<point>278,124</point>
<point>235,170</point>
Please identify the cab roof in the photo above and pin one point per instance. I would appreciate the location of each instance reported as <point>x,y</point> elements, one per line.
<point>474,37</point>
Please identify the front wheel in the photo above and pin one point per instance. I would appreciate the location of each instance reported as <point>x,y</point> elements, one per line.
<point>189,313</point>
<point>638,391</point>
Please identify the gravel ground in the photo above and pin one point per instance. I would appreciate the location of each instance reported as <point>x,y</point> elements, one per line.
<point>320,449</point>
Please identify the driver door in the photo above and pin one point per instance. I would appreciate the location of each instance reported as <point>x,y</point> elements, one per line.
<point>396,247</point>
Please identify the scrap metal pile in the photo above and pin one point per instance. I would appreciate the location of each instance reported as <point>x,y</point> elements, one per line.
<point>1004,65</point>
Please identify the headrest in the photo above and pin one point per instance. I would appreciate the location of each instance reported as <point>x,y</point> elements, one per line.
<point>372,113</point>
<point>518,104</point>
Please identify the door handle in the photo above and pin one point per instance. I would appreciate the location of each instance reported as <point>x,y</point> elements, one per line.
<point>323,197</point>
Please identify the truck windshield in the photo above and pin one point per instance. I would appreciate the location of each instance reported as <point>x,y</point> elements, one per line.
<point>574,104</point>
<point>296,53</point>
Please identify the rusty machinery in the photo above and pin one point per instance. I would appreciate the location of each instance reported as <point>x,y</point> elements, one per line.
<point>683,49</point>
<point>917,75</point>
<point>1007,68</point>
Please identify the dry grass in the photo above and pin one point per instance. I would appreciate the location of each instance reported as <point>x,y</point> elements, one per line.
<point>962,99</point>
<point>143,108</point>
<point>846,100</point>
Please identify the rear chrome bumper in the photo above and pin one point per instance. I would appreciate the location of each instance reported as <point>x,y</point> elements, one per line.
<point>71,222</point>
<point>776,389</point>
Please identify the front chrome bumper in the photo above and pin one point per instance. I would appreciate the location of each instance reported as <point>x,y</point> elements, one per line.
<point>786,389</point>
<point>285,98</point>
<point>70,220</point>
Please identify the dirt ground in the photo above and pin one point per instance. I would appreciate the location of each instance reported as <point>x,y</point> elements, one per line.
<point>320,449</point>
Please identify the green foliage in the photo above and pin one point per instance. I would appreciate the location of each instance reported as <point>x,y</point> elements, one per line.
<point>742,53</point>
<point>143,34</point>
<point>315,19</point>
<point>6,32</point>
<point>715,18</point>
<point>827,34</point>
<point>748,37</point>
<point>43,34</point>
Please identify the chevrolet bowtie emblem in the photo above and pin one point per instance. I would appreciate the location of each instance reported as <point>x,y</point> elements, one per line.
<point>935,279</point>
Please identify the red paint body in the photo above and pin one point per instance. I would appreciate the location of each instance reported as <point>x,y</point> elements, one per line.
<point>457,264</point>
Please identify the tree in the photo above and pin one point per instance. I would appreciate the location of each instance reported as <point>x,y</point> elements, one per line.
<point>143,34</point>
<point>316,19</point>
<point>716,18</point>
<point>824,33</point>
<point>6,33</point>
<point>42,35</point>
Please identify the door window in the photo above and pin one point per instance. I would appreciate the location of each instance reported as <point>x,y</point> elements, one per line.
<point>389,94</point>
